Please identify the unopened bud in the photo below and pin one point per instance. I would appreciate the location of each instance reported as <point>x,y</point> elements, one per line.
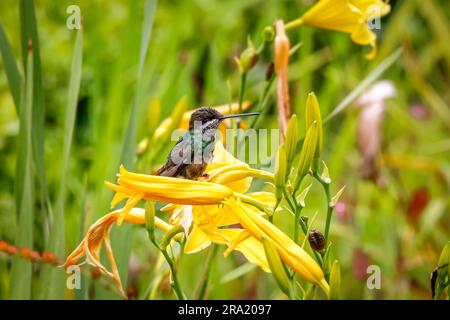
<point>444,258</point>
<point>276,266</point>
<point>312,114</point>
<point>280,172</point>
<point>247,60</point>
<point>306,155</point>
<point>291,139</point>
<point>268,34</point>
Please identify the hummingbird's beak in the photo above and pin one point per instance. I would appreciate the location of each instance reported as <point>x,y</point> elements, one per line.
<point>239,115</point>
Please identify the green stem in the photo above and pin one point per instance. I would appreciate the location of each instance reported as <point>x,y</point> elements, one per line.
<point>326,187</point>
<point>242,90</point>
<point>294,23</point>
<point>205,276</point>
<point>297,210</point>
<point>261,174</point>
<point>175,284</point>
<point>263,101</point>
<point>256,203</point>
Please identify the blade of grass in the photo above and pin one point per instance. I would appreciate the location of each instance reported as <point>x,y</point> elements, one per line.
<point>121,239</point>
<point>423,88</point>
<point>374,75</point>
<point>12,73</point>
<point>29,32</point>
<point>237,273</point>
<point>52,280</point>
<point>21,274</point>
<point>439,25</point>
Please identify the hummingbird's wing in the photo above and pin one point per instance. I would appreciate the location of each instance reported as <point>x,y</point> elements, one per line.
<point>177,159</point>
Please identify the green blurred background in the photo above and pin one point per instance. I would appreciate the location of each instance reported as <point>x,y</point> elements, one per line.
<point>399,220</point>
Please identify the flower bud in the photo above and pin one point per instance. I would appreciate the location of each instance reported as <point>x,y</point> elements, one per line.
<point>280,172</point>
<point>444,262</point>
<point>312,114</point>
<point>291,139</point>
<point>247,60</point>
<point>275,265</point>
<point>268,34</point>
<point>150,219</point>
<point>306,155</point>
<point>335,281</point>
<point>444,258</point>
<point>317,240</point>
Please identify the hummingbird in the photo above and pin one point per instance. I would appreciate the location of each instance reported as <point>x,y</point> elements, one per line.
<point>191,154</point>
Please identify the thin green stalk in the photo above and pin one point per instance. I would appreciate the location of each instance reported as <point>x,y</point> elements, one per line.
<point>175,283</point>
<point>205,276</point>
<point>242,90</point>
<point>297,223</point>
<point>263,101</point>
<point>326,187</point>
<point>297,210</point>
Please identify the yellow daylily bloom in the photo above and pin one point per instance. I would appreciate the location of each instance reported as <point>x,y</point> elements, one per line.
<point>348,16</point>
<point>135,187</point>
<point>196,203</point>
<point>289,251</point>
<point>227,175</point>
<point>98,234</point>
<point>208,219</point>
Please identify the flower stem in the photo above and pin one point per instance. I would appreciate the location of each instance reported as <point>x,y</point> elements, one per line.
<point>175,284</point>
<point>294,23</point>
<point>205,277</point>
<point>326,187</point>
<point>262,103</point>
<point>242,90</point>
<point>297,210</point>
<point>254,202</point>
<point>261,174</point>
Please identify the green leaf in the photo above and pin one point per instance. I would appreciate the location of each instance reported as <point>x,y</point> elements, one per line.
<point>121,238</point>
<point>374,75</point>
<point>21,274</point>
<point>12,73</point>
<point>29,35</point>
<point>52,279</point>
<point>237,273</point>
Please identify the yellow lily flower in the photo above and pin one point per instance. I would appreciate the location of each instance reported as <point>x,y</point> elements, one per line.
<point>348,16</point>
<point>293,255</point>
<point>191,202</point>
<point>98,234</point>
<point>227,175</point>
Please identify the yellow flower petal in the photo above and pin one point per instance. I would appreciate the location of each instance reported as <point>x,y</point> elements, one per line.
<point>98,234</point>
<point>289,251</point>
<point>168,189</point>
<point>196,241</point>
<point>251,248</point>
<point>348,16</point>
